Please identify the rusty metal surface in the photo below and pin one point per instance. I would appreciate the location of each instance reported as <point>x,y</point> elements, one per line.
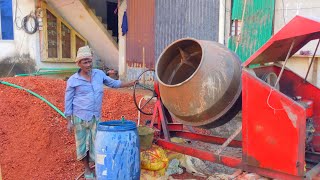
<point>230,161</point>
<point>199,82</point>
<point>140,36</point>
<point>205,138</point>
<point>293,85</point>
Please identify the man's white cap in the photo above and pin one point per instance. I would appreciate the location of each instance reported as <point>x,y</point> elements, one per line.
<point>83,53</point>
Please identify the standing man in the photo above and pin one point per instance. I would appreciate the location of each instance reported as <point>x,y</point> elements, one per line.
<point>83,101</point>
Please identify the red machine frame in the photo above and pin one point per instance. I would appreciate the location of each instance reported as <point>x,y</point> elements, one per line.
<point>274,131</point>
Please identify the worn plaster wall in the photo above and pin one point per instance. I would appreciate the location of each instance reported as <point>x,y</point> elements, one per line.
<point>300,64</point>
<point>285,10</point>
<point>19,55</point>
<point>23,54</point>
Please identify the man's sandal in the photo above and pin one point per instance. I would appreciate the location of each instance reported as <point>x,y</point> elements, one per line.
<point>89,176</point>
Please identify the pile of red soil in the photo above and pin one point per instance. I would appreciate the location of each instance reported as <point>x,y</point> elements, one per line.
<point>34,143</point>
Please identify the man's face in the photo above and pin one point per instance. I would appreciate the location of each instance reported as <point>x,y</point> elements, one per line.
<point>85,65</point>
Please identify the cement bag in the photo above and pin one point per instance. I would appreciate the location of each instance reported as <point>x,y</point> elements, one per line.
<point>154,159</point>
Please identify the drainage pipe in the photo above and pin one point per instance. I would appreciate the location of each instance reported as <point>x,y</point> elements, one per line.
<point>35,94</point>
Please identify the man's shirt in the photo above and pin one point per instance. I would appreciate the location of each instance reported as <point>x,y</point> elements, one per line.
<point>84,98</point>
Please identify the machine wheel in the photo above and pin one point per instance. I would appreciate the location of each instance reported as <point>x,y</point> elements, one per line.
<point>148,99</point>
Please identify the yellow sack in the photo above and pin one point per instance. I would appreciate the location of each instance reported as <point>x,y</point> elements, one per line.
<point>154,159</point>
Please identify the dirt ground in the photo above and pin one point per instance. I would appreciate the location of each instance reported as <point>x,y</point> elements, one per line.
<point>33,138</point>
<point>34,143</point>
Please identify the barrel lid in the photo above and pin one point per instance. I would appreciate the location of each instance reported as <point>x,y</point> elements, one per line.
<point>300,29</point>
<point>116,125</point>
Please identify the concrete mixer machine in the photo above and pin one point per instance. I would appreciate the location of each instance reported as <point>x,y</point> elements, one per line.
<point>202,84</point>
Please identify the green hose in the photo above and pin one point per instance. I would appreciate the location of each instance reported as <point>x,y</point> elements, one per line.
<point>45,73</point>
<point>35,94</point>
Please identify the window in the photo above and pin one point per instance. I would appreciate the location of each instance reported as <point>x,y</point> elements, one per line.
<point>6,20</point>
<point>60,41</point>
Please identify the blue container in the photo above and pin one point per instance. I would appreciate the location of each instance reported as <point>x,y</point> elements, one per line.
<point>117,149</point>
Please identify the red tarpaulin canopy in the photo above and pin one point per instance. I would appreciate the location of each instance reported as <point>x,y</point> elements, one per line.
<point>301,29</point>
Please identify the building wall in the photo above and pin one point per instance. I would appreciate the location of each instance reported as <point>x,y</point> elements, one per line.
<point>201,19</point>
<point>227,5</point>
<point>122,42</point>
<point>284,11</point>
<point>256,19</point>
<point>23,54</point>
<point>287,9</point>
<point>85,22</point>
<point>138,43</point>
<point>19,55</point>
<point>185,18</point>
<point>299,64</point>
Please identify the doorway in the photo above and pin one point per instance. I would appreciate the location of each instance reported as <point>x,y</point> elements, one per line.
<point>112,18</point>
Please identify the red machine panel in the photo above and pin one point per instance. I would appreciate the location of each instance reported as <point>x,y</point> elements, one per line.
<point>292,83</point>
<point>273,128</point>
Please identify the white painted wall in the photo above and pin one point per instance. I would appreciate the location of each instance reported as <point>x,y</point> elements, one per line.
<point>227,18</point>
<point>122,42</point>
<point>23,43</point>
<point>222,21</point>
<point>285,10</point>
<point>300,64</point>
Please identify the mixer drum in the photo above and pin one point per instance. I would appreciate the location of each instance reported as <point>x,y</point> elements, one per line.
<point>200,82</point>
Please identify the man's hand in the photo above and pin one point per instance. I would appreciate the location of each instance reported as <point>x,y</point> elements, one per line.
<point>133,82</point>
<point>128,84</point>
<point>70,124</point>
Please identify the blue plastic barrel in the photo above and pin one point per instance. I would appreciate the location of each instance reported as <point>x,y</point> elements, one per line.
<point>117,149</point>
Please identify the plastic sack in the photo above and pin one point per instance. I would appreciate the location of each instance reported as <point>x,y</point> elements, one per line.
<point>174,168</point>
<point>154,159</point>
<point>153,175</point>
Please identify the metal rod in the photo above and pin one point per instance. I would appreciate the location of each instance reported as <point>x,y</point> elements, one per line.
<point>205,138</point>
<point>314,54</point>
<point>227,142</point>
<point>230,161</point>
<point>284,64</point>
<point>163,121</point>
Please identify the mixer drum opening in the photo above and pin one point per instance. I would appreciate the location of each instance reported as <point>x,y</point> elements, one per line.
<point>200,82</point>
<point>179,62</point>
